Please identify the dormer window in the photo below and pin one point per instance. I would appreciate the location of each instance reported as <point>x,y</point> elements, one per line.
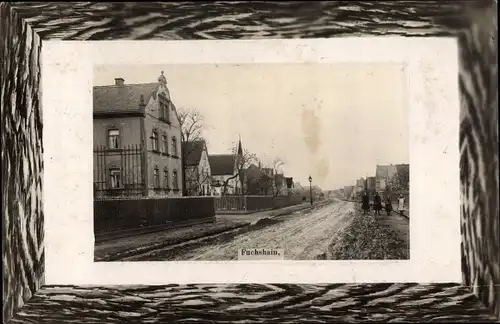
<point>164,111</point>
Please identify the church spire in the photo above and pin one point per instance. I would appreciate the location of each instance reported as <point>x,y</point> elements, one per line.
<point>240,149</point>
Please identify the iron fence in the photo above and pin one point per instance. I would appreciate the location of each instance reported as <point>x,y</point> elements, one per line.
<point>118,172</point>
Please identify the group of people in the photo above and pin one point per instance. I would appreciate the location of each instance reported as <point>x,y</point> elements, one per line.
<point>377,203</point>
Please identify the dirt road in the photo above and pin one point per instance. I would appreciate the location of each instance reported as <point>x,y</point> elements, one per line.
<point>303,236</point>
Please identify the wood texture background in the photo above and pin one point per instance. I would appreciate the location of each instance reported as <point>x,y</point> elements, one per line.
<point>24,24</point>
<point>22,163</point>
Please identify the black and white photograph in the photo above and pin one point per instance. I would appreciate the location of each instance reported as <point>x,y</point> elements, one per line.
<point>249,162</point>
<point>281,161</point>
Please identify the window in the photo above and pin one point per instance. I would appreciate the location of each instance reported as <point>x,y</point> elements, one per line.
<point>174,146</point>
<point>114,178</point>
<point>113,137</point>
<point>164,115</point>
<point>164,143</point>
<point>154,139</point>
<point>165,178</point>
<point>175,180</point>
<point>156,178</point>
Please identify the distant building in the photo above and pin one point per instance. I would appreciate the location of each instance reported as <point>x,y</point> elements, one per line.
<point>280,187</point>
<point>348,192</point>
<point>137,149</point>
<point>371,183</point>
<point>403,176</point>
<point>198,173</point>
<point>299,189</point>
<point>384,175</point>
<point>360,186</point>
<point>224,171</point>
<point>256,182</point>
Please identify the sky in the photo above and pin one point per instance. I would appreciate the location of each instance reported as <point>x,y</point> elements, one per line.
<point>332,121</point>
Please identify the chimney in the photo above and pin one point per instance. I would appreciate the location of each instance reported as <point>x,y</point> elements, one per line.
<point>119,81</point>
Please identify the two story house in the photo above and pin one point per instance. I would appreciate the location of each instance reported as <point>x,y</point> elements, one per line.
<point>137,140</point>
<point>197,168</point>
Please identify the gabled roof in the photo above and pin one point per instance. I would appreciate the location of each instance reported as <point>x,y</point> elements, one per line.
<point>192,152</point>
<point>221,164</point>
<point>122,98</point>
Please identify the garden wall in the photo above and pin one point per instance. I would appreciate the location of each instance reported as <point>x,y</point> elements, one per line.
<point>124,214</point>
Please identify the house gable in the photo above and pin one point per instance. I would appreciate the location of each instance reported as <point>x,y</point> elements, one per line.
<point>222,164</point>
<point>193,152</point>
<point>204,162</point>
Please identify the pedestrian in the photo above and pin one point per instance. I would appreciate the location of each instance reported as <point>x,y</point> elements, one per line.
<point>388,205</point>
<point>401,204</point>
<point>377,203</point>
<point>365,203</point>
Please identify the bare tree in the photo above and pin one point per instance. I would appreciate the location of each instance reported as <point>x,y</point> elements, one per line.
<point>244,159</point>
<point>278,182</point>
<point>201,179</point>
<point>192,123</point>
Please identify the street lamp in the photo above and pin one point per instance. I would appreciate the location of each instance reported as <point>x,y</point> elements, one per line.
<point>310,189</point>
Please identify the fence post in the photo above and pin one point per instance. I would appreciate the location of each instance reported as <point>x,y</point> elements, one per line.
<point>144,168</point>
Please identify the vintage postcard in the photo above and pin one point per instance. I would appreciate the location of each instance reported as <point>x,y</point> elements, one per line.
<point>300,161</point>
<point>257,155</point>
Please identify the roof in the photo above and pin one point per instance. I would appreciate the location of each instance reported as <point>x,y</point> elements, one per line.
<point>221,164</point>
<point>193,151</point>
<point>122,98</point>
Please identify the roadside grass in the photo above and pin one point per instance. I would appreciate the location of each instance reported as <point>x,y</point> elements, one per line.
<point>366,239</point>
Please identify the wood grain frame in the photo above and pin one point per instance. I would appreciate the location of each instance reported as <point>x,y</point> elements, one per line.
<point>24,26</point>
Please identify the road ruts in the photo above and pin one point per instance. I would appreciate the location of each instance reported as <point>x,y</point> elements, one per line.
<point>249,303</point>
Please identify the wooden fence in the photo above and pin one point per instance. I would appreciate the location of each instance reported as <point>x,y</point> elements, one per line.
<point>125,214</point>
<point>254,203</point>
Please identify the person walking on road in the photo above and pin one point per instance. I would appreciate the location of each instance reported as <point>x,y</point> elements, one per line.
<point>377,204</point>
<point>401,204</point>
<point>365,203</point>
<point>388,205</point>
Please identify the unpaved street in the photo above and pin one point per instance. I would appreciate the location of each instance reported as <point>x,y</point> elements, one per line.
<point>303,236</point>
